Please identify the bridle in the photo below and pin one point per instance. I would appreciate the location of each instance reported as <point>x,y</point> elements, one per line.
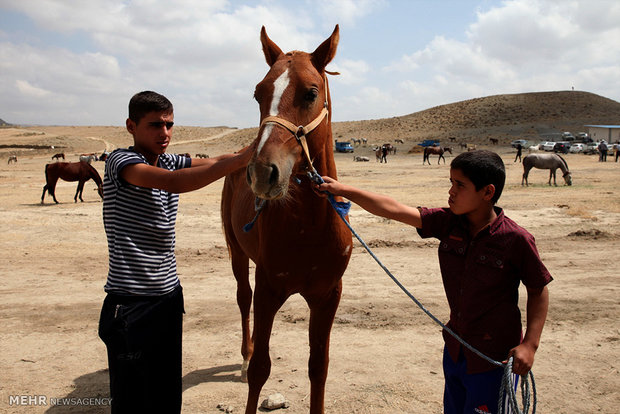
<point>300,132</point>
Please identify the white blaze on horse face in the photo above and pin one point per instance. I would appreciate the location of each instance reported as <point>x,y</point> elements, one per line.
<point>279,86</point>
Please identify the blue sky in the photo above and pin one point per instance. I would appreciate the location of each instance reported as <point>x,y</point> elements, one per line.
<point>78,62</point>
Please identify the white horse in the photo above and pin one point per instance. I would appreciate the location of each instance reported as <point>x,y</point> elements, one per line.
<point>88,158</point>
<point>549,162</point>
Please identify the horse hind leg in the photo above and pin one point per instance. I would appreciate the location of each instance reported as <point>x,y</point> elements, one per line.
<point>322,315</point>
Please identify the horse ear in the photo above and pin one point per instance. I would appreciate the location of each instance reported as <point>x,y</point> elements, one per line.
<point>326,51</point>
<point>270,49</point>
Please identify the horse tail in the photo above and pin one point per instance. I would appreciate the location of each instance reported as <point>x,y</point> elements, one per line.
<point>47,180</point>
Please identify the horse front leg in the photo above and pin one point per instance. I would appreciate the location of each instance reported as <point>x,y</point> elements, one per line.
<point>80,189</point>
<point>266,305</point>
<point>240,267</point>
<point>322,313</point>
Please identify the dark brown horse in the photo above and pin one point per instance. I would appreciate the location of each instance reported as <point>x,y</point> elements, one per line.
<point>435,150</point>
<point>58,156</point>
<point>298,243</point>
<point>70,171</point>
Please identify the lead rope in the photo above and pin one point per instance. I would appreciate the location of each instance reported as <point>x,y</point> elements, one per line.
<point>508,387</point>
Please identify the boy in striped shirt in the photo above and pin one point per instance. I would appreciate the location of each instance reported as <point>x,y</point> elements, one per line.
<point>142,314</point>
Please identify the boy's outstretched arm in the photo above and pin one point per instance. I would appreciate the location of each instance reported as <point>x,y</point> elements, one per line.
<point>186,179</point>
<point>377,204</point>
<point>537,307</point>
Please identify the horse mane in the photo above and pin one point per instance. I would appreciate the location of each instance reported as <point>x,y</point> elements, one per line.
<point>564,161</point>
<point>93,173</point>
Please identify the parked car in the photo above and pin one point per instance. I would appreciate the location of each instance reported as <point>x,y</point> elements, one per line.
<point>429,143</point>
<point>344,146</point>
<point>583,137</point>
<point>567,136</point>
<point>576,148</point>
<point>590,148</point>
<point>561,146</point>
<point>521,142</point>
<point>546,145</point>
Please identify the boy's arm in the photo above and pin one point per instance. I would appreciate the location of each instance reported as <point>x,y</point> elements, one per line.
<point>377,204</point>
<point>199,175</point>
<point>537,307</point>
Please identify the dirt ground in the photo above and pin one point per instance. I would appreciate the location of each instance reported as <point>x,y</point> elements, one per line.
<point>385,353</point>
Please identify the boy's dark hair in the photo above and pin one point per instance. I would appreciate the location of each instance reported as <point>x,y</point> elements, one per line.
<point>482,167</point>
<point>147,101</point>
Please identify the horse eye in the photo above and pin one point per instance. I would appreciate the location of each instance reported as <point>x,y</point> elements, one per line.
<point>312,94</point>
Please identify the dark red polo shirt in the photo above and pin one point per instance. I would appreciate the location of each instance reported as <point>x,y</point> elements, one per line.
<point>481,277</point>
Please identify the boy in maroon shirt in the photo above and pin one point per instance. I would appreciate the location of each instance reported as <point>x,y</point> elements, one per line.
<point>483,256</point>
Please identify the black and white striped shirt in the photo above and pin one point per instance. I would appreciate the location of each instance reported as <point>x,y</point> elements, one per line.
<point>139,224</point>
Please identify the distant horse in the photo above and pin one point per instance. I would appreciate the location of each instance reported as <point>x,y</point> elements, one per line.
<point>378,153</point>
<point>202,156</point>
<point>391,149</point>
<point>88,158</point>
<point>462,145</point>
<point>12,158</point>
<point>399,141</point>
<point>359,158</point>
<point>494,141</point>
<point>70,171</point>
<point>356,141</point>
<point>546,162</point>
<point>435,150</point>
<point>298,243</point>
<point>58,156</point>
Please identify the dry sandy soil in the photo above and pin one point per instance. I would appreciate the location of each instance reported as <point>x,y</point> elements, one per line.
<point>385,353</point>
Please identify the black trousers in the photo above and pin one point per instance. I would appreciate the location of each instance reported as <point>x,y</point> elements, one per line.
<point>143,336</point>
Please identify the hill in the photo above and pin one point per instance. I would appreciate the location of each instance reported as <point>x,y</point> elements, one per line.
<point>530,116</point>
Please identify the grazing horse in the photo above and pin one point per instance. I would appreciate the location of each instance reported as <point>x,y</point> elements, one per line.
<point>298,242</point>
<point>58,156</point>
<point>435,150</point>
<point>70,171</point>
<point>88,158</point>
<point>546,162</point>
<point>12,158</point>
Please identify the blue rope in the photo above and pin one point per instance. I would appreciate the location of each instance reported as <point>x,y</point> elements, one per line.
<point>507,387</point>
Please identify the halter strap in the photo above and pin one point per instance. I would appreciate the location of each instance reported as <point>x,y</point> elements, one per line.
<point>300,132</point>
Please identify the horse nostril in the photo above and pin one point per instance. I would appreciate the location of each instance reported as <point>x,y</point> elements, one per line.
<point>275,174</point>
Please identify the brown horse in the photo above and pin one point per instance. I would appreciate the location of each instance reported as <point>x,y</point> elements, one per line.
<point>70,171</point>
<point>298,243</point>
<point>58,156</point>
<point>435,150</point>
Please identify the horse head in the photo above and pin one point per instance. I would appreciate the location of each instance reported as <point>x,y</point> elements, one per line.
<point>294,105</point>
<point>568,179</point>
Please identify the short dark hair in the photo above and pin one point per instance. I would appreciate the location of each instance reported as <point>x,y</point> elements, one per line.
<point>482,167</point>
<point>148,101</point>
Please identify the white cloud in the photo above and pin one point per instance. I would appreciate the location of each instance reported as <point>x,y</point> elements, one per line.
<point>27,89</point>
<point>85,59</point>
